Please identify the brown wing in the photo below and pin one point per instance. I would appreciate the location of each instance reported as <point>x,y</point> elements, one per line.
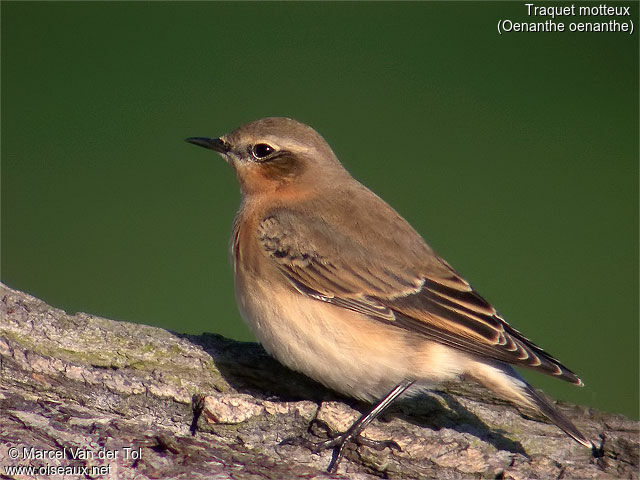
<point>463,319</point>
<point>422,294</point>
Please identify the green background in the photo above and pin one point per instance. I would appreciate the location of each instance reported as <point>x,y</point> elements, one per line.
<point>516,156</point>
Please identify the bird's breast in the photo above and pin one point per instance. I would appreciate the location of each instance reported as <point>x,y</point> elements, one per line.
<point>342,349</point>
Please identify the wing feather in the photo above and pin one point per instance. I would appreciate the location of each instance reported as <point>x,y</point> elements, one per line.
<point>421,294</point>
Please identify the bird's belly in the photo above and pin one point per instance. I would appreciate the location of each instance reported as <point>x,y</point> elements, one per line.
<point>344,350</point>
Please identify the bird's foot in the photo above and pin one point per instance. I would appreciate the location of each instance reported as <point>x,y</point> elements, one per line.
<point>337,442</point>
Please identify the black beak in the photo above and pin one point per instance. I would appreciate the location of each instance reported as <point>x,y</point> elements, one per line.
<point>215,144</point>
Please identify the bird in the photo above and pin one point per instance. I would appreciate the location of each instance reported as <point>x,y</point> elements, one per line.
<point>337,285</point>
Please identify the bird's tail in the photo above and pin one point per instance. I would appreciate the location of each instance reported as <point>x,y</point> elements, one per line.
<point>552,413</point>
<point>505,381</point>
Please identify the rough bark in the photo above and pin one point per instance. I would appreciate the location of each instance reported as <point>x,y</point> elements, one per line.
<point>84,386</point>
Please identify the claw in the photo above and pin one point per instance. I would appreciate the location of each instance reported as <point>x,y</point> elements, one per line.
<point>298,442</point>
<point>378,444</point>
<point>338,441</point>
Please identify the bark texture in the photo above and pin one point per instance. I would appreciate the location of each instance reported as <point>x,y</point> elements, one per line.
<point>97,398</point>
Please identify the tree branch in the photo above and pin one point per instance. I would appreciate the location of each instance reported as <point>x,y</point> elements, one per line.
<point>118,396</point>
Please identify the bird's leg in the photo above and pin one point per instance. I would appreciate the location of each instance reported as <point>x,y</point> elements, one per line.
<point>338,442</point>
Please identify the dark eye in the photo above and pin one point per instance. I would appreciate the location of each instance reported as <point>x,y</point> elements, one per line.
<point>262,150</point>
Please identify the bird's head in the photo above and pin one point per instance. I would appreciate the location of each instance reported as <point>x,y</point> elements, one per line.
<point>276,154</point>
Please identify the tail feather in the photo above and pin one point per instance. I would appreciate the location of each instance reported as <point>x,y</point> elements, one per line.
<point>553,414</point>
<point>505,381</point>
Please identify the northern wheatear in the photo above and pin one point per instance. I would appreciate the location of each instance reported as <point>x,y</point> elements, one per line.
<point>337,285</point>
